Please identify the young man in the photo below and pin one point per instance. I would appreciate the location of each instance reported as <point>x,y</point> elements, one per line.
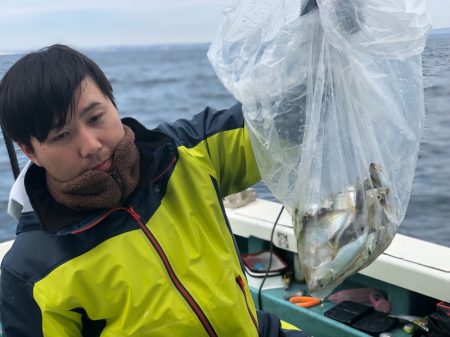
<point>125,234</point>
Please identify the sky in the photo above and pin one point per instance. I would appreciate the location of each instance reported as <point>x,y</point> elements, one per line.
<point>32,24</point>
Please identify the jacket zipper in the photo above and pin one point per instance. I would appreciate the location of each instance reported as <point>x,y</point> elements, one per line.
<point>183,291</point>
<point>240,282</point>
<point>96,222</point>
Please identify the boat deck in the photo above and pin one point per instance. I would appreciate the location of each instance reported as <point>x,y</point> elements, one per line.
<point>313,321</point>
<point>414,274</point>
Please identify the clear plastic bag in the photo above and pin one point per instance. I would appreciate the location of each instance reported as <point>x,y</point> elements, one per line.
<point>332,96</point>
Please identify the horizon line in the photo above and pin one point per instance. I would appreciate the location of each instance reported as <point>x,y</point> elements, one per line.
<point>434,31</point>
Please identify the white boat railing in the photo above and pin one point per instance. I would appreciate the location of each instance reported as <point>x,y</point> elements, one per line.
<point>409,263</point>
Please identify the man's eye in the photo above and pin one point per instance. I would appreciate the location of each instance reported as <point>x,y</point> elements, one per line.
<point>96,118</point>
<point>60,136</point>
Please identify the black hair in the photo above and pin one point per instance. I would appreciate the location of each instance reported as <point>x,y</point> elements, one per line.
<point>38,93</point>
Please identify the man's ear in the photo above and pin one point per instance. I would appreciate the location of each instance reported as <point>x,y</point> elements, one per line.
<point>29,153</point>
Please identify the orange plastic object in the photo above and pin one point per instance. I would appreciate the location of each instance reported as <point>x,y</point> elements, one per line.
<point>305,301</point>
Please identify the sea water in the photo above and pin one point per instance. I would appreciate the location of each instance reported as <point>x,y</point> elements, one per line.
<point>156,84</point>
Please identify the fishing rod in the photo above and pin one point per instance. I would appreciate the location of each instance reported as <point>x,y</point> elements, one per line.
<point>12,154</point>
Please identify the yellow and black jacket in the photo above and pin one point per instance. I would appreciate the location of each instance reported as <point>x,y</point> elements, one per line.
<point>164,264</point>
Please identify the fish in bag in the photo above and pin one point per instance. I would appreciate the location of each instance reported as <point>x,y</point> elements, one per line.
<point>332,94</point>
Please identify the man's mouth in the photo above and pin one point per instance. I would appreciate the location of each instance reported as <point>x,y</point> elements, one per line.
<point>103,166</point>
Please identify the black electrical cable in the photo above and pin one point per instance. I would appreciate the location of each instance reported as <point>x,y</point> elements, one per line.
<point>12,154</point>
<point>270,259</point>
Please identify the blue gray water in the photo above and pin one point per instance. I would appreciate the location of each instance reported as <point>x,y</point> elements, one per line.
<point>164,83</point>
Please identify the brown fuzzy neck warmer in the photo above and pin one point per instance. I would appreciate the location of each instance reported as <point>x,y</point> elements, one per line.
<point>98,189</point>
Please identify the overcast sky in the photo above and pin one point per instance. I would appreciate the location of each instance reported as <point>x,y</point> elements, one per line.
<point>31,24</point>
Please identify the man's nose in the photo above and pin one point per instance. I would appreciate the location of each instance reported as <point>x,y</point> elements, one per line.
<point>89,143</point>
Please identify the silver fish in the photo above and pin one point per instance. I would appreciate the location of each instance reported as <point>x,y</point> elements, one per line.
<point>345,233</point>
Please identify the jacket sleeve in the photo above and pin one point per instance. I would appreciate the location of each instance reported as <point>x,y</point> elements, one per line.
<point>21,316</point>
<point>222,142</point>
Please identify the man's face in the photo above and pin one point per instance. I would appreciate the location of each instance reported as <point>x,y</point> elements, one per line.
<point>87,141</point>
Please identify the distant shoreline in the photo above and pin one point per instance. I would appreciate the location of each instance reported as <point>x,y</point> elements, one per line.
<point>440,31</point>
<point>436,32</point>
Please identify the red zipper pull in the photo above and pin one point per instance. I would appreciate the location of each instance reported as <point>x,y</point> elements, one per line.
<point>134,214</point>
<point>240,282</point>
